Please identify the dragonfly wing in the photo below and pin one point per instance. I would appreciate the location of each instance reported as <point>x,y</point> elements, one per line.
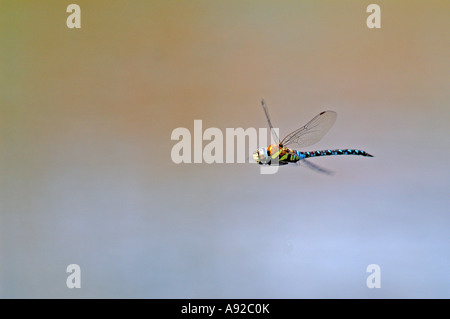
<point>315,167</point>
<point>312,132</point>
<point>274,134</point>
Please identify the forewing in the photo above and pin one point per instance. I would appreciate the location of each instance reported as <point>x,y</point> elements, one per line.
<point>266,112</point>
<point>312,132</point>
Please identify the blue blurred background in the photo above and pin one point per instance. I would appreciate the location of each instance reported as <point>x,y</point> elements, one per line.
<point>86,175</point>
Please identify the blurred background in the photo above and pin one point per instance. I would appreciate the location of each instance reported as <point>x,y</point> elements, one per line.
<point>86,176</point>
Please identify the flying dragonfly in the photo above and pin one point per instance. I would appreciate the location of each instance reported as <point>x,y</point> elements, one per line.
<point>311,133</point>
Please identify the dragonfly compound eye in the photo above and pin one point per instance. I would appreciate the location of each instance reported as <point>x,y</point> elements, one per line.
<point>261,156</point>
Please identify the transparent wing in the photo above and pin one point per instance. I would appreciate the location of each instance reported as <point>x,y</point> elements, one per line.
<point>315,167</point>
<point>312,132</point>
<point>274,134</point>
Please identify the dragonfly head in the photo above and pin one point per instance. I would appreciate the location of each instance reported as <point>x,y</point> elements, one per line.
<point>261,156</point>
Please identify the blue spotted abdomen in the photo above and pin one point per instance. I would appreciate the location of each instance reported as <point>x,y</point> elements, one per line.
<point>334,152</point>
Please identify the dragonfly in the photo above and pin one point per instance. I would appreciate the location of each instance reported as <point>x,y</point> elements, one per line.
<point>282,153</point>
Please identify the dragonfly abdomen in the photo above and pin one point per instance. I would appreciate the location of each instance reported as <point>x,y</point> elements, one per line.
<point>335,152</point>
